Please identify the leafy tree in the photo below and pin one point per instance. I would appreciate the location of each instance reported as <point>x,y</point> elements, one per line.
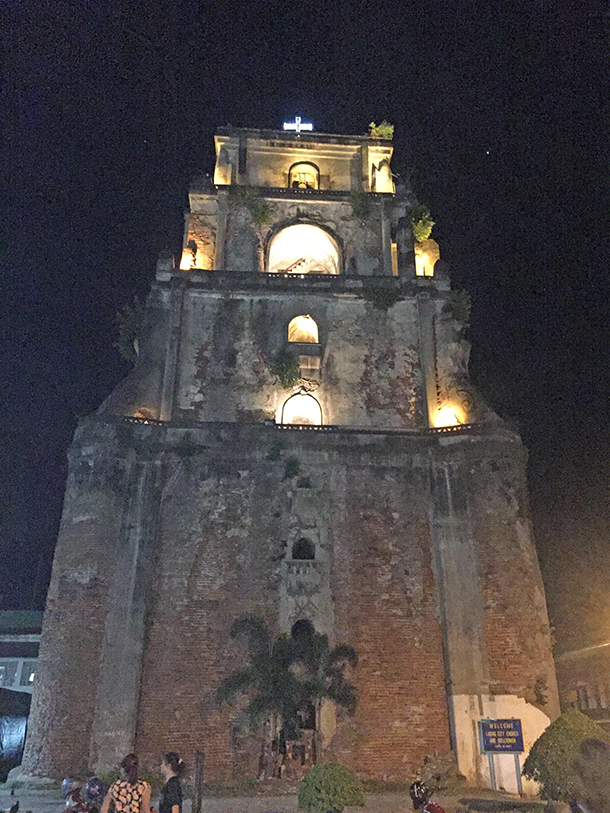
<point>271,687</point>
<point>330,787</point>
<point>551,758</point>
<point>320,669</point>
<point>286,676</point>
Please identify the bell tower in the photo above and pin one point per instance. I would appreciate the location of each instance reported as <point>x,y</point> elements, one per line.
<point>298,440</point>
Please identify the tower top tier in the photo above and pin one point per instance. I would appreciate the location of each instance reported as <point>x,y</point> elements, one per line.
<point>306,160</point>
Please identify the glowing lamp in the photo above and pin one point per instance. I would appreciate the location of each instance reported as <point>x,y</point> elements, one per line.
<point>447,416</point>
<point>187,261</point>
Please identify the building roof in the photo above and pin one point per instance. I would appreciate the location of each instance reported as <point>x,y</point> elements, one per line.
<point>312,137</point>
<point>20,621</point>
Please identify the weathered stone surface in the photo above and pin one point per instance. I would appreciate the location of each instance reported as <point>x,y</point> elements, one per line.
<point>227,517</point>
<point>190,491</point>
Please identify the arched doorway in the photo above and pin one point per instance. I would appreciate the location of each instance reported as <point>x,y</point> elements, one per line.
<point>302,408</point>
<point>303,249</point>
<point>304,176</point>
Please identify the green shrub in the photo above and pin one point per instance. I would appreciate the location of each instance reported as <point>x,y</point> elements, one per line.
<point>286,369</point>
<point>381,296</point>
<point>330,786</point>
<point>421,222</point>
<point>551,759</point>
<point>361,204</point>
<point>250,197</point>
<point>383,130</point>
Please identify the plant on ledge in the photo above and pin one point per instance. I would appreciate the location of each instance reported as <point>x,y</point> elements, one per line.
<point>330,787</point>
<point>361,204</point>
<point>421,222</point>
<point>383,130</point>
<point>286,370</point>
<point>381,297</point>
<point>251,198</point>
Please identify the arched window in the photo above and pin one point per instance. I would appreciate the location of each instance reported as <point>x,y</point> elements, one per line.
<point>304,176</point>
<point>303,249</point>
<point>302,408</point>
<point>304,550</point>
<point>303,329</point>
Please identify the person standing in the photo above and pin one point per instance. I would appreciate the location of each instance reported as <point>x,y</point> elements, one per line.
<point>172,768</point>
<point>130,794</point>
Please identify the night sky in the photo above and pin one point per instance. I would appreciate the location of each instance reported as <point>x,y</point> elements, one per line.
<point>108,111</point>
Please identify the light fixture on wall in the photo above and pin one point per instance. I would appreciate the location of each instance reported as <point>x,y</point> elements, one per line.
<point>448,416</point>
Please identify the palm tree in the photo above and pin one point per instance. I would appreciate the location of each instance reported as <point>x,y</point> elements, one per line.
<point>287,676</point>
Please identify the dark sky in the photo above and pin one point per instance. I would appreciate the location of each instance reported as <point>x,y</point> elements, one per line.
<point>108,110</point>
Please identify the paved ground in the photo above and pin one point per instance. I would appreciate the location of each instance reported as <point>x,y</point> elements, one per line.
<point>395,802</point>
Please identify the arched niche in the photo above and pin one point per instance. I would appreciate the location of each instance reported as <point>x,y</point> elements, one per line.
<point>304,550</point>
<point>303,330</point>
<point>302,408</point>
<point>304,175</point>
<point>303,249</point>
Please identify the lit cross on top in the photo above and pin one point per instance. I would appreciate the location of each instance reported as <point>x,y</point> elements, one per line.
<point>298,125</point>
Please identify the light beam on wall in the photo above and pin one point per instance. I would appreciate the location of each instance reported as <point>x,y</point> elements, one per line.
<point>448,416</point>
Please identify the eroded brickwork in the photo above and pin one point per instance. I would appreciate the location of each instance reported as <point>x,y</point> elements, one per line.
<point>234,499</point>
<point>190,488</point>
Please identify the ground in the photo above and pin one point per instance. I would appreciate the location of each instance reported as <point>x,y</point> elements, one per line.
<point>478,801</point>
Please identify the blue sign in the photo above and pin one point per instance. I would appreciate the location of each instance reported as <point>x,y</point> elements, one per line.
<point>501,736</point>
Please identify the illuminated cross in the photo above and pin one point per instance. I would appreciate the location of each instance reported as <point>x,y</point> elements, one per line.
<point>298,125</point>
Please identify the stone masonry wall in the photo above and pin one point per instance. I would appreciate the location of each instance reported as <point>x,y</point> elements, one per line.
<point>73,629</point>
<point>234,499</point>
<point>229,516</point>
<point>370,371</point>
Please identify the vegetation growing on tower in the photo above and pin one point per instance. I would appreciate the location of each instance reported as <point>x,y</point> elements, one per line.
<point>383,130</point>
<point>128,323</point>
<point>421,222</point>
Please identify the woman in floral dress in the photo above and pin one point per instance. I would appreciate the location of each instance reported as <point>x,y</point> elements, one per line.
<point>130,794</point>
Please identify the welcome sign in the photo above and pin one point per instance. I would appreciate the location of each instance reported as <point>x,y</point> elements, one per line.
<point>501,736</point>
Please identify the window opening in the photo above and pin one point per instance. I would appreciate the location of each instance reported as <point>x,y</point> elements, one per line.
<point>304,176</point>
<point>304,550</point>
<point>302,408</point>
<point>303,329</point>
<point>303,249</point>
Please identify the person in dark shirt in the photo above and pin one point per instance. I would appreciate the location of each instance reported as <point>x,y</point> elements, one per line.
<point>172,769</point>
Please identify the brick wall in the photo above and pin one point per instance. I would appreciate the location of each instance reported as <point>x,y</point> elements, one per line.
<point>234,498</point>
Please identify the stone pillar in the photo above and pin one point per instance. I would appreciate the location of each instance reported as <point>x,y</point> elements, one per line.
<point>116,707</point>
<point>427,351</point>
<point>172,353</point>
<point>366,181</point>
<point>223,211</point>
<point>461,597</point>
<point>386,239</point>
